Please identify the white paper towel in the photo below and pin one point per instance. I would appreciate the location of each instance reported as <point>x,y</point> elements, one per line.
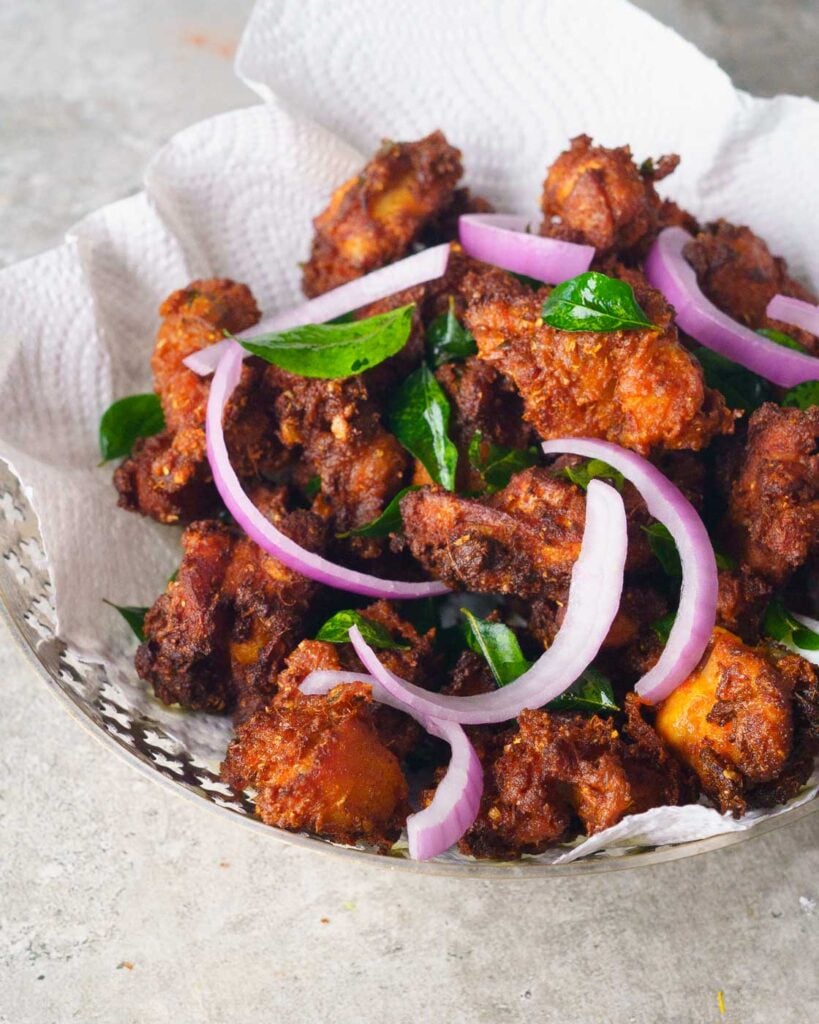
<point>508,82</point>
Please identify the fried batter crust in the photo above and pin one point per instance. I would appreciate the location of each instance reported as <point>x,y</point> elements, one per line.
<point>600,197</point>
<point>318,765</point>
<point>731,721</point>
<point>773,507</point>
<point>168,477</point>
<point>638,388</point>
<point>737,272</point>
<point>557,768</point>
<point>373,218</point>
<point>523,540</point>
<point>217,636</point>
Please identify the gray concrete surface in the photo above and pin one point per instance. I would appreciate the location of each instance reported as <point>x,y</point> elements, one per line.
<point>121,903</point>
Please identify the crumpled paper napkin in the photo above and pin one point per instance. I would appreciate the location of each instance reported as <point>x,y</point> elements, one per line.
<point>509,83</point>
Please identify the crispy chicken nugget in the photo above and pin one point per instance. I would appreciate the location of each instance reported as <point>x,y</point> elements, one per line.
<point>731,721</point>
<point>773,506</point>
<point>600,197</point>
<point>638,388</point>
<point>319,765</point>
<point>373,218</point>
<point>738,273</point>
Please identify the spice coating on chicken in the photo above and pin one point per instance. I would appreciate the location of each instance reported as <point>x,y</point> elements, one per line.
<point>638,388</point>
<point>600,197</point>
<point>773,506</point>
<point>318,764</point>
<point>373,218</point>
<point>738,273</point>
<point>731,720</point>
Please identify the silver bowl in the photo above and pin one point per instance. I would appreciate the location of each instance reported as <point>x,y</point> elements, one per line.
<point>160,742</point>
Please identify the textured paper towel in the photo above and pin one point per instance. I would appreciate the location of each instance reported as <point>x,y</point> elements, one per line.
<point>508,82</point>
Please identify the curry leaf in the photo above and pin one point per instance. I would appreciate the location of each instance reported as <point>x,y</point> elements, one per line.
<point>803,396</point>
<point>126,420</point>
<point>785,340</point>
<point>662,627</point>
<point>784,627</point>
<point>448,339</point>
<point>330,351</point>
<point>498,645</point>
<point>664,547</point>
<point>388,522</point>
<point>593,469</point>
<point>134,616</point>
<point>594,302</point>
<point>419,417</point>
<point>336,631</point>
<point>591,692</point>
<point>496,463</point>
<point>741,388</point>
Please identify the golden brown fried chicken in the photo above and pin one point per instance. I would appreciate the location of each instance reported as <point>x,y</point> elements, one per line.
<point>600,197</point>
<point>337,428</point>
<point>523,540</point>
<point>414,661</point>
<point>773,506</point>
<point>638,388</point>
<point>319,766</point>
<point>737,272</point>
<point>168,477</point>
<point>373,218</point>
<point>184,656</point>
<point>444,227</point>
<point>741,601</point>
<point>557,768</point>
<point>269,602</point>
<point>731,721</point>
<point>217,636</point>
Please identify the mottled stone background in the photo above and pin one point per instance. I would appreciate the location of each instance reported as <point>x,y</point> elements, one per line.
<point>121,903</point>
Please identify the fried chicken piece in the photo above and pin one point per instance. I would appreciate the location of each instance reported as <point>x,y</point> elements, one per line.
<point>741,602</point>
<point>338,429</point>
<point>773,508</point>
<point>184,655</point>
<point>319,766</point>
<point>731,721</point>
<point>738,273</point>
<point>168,477</point>
<point>415,661</point>
<point>638,388</point>
<point>523,540</point>
<point>373,218</point>
<point>269,603</point>
<point>600,197</point>
<point>217,636</point>
<point>558,768</point>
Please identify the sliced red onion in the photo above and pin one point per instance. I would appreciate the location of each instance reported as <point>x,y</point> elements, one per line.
<point>812,624</point>
<point>504,241</point>
<point>260,529</point>
<point>697,609</point>
<point>668,270</point>
<point>794,311</point>
<point>458,796</point>
<point>418,269</point>
<point>594,596</point>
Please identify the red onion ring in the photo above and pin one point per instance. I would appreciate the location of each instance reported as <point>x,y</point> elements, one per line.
<point>794,311</point>
<point>594,596</point>
<point>667,269</point>
<point>697,611</point>
<point>260,529</point>
<point>458,795</point>
<point>418,269</point>
<point>503,240</point>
